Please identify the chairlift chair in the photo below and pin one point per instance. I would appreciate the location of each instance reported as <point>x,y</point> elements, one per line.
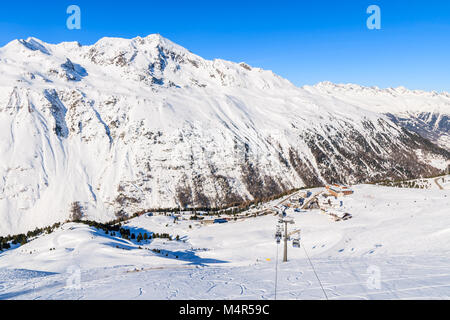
<point>296,240</point>
<point>278,233</point>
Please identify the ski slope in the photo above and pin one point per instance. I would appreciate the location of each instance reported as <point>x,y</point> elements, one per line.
<point>397,246</point>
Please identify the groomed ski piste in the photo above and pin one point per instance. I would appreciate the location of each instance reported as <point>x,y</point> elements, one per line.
<point>396,246</point>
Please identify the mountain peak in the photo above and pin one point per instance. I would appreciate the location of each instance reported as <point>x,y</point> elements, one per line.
<point>30,43</point>
<point>152,40</point>
<point>347,87</point>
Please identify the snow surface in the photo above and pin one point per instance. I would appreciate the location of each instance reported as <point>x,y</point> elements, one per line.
<point>399,236</point>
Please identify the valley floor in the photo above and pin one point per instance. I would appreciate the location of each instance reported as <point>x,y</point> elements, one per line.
<point>397,246</point>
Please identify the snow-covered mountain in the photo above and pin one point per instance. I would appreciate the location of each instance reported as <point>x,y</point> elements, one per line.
<point>127,125</point>
<point>426,113</point>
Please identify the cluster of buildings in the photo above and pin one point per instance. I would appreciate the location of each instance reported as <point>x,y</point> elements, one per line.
<point>330,201</point>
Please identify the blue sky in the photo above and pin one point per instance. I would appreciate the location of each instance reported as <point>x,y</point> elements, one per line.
<point>304,41</point>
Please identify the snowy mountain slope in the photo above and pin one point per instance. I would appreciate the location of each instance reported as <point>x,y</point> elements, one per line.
<point>403,234</point>
<point>427,113</point>
<point>127,125</point>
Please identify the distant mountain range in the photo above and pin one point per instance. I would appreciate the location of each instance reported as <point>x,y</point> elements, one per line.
<point>128,125</point>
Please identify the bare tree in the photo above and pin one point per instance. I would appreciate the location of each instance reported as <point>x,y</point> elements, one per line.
<point>76,211</point>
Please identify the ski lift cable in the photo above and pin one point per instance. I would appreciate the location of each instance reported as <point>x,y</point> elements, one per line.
<point>276,272</point>
<point>314,270</point>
